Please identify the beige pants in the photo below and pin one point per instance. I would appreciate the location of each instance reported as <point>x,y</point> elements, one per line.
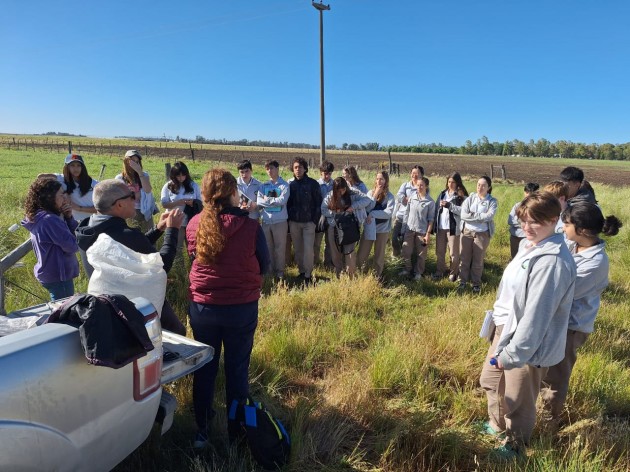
<point>492,381</point>
<point>276,236</point>
<point>413,243</point>
<point>556,383</point>
<point>350,255</point>
<point>472,250</point>
<point>303,238</point>
<point>365,247</point>
<point>522,386</point>
<point>442,239</point>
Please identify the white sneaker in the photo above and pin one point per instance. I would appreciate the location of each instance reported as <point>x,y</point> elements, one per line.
<point>417,277</point>
<point>403,273</point>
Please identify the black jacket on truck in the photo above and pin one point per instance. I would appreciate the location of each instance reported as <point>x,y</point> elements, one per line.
<point>111,328</point>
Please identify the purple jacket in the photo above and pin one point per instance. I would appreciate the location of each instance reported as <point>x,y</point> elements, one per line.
<point>55,245</point>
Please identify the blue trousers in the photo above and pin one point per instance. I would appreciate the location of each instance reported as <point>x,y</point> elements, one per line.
<point>59,290</point>
<point>232,328</point>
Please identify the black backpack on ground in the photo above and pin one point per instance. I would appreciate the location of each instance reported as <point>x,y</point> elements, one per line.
<point>266,437</point>
<point>347,229</point>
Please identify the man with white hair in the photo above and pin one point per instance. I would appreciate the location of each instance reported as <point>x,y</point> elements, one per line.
<point>114,203</point>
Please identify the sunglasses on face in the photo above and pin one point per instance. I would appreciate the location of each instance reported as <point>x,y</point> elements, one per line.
<point>131,195</point>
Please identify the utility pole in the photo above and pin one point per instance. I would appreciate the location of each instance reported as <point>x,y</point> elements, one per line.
<point>321,7</point>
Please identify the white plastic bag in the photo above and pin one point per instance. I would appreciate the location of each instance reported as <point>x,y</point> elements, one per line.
<point>119,270</point>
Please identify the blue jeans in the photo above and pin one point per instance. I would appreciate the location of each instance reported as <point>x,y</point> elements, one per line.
<point>231,327</point>
<point>60,290</point>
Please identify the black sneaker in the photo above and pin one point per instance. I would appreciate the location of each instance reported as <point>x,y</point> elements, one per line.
<point>476,289</point>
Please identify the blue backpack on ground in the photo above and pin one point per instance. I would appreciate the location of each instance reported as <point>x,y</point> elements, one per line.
<point>266,437</point>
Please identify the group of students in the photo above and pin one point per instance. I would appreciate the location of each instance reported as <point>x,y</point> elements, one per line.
<point>70,195</point>
<point>545,307</point>
<point>301,213</point>
<point>546,302</point>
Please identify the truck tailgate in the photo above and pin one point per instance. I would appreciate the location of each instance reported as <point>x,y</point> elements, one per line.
<point>182,356</point>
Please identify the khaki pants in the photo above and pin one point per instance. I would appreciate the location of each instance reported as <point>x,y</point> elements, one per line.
<point>556,383</point>
<point>492,381</point>
<point>413,243</point>
<point>442,239</point>
<point>276,235</point>
<point>338,258</point>
<point>365,247</point>
<point>522,386</point>
<point>472,250</point>
<point>303,238</point>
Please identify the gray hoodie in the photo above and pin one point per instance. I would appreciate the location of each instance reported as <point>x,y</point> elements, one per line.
<point>536,330</point>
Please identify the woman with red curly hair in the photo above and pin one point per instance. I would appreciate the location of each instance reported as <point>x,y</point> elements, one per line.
<point>230,256</point>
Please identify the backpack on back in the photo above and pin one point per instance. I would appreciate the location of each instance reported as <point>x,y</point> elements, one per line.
<point>347,230</point>
<point>266,437</point>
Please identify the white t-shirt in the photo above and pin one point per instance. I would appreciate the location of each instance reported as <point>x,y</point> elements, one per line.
<point>445,222</point>
<point>167,196</point>
<point>77,198</point>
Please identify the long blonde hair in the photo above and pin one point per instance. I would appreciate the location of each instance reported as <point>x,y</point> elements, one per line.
<point>217,188</point>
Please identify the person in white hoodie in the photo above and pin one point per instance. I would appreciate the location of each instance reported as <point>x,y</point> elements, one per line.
<point>477,227</point>
<point>272,203</point>
<point>583,222</point>
<point>417,226</point>
<point>378,223</point>
<point>531,314</point>
<point>402,196</point>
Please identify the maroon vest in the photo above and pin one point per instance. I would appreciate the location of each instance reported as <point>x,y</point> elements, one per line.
<point>234,277</point>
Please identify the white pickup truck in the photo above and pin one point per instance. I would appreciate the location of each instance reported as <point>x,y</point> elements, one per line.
<point>59,413</point>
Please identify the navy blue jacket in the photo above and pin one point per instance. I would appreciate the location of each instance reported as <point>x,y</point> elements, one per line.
<point>305,200</point>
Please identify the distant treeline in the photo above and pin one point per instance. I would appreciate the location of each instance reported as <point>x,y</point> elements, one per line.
<point>540,148</point>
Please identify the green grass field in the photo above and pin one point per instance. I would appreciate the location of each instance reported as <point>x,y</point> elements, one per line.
<point>373,377</point>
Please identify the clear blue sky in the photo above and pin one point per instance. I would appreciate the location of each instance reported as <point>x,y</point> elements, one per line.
<point>396,72</point>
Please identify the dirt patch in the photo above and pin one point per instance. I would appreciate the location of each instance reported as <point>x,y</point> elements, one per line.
<point>539,170</point>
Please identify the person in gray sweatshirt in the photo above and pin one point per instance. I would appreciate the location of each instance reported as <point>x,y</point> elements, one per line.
<point>271,201</point>
<point>583,222</point>
<point>404,192</point>
<point>417,226</point>
<point>477,227</point>
<point>531,313</point>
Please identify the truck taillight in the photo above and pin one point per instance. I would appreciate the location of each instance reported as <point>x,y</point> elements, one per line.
<point>147,371</point>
